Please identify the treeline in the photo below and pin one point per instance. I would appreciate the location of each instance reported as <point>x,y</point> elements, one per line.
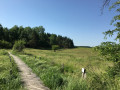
<point>34,37</point>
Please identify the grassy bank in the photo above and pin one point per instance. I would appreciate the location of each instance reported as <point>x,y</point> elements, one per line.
<point>9,76</point>
<point>61,70</point>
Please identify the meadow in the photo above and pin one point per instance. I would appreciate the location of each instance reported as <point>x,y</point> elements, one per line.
<point>9,73</point>
<point>61,70</point>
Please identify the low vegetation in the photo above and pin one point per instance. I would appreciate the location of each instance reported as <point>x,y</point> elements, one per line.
<point>62,70</point>
<point>9,75</point>
<point>19,45</point>
<point>55,47</point>
<point>5,44</point>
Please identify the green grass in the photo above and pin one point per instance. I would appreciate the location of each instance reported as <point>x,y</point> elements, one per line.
<point>61,70</point>
<point>75,58</point>
<point>9,76</point>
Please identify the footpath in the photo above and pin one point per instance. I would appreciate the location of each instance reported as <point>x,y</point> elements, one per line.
<point>29,79</point>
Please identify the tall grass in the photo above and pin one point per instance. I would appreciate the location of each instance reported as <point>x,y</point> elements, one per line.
<point>9,76</point>
<point>61,70</point>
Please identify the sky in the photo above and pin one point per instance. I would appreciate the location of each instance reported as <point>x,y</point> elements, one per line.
<point>80,20</point>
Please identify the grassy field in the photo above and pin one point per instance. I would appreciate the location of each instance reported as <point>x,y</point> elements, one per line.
<point>9,76</point>
<point>75,58</point>
<point>61,70</point>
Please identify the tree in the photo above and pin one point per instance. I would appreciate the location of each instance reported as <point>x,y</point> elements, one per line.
<point>53,40</point>
<point>1,32</point>
<point>39,29</point>
<point>106,2</point>
<point>34,42</point>
<point>34,37</point>
<point>6,34</point>
<point>5,44</point>
<point>55,47</point>
<point>115,22</point>
<point>111,50</point>
<point>60,40</point>
<point>13,33</point>
<point>19,45</point>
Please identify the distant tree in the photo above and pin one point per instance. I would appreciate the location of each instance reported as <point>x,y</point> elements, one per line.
<point>55,47</point>
<point>6,34</point>
<point>39,29</point>
<point>19,45</point>
<point>71,44</point>
<point>27,33</point>
<point>5,44</point>
<point>34,37</point>
<point>53,40</point>
<point>59,41</point>
<point>13,33</point>
<point>21,29</point>
<point>1,32</point>
<point>44,40</point>
<point>34,42</point>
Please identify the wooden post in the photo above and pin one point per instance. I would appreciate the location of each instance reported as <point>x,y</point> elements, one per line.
<point>83,73</point>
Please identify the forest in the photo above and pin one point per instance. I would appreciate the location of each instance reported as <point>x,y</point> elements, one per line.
<point>35,37</point>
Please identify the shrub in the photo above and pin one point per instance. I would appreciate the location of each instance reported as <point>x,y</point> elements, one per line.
<point>55,47</point>
<point>5,44</point>
<point>3,52</point>
<point>19,45</point>
<point>109,50</point>
<point>114,71</point>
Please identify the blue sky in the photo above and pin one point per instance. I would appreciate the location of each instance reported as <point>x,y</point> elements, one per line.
<point>80,20</point>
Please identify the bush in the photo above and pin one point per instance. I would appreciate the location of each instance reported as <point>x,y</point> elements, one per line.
<point>19,45</point>
<point>114,71</point>
<point>109,50</point>
<point>3,52</point>
<point>55,47</point>
<point>5,44</point>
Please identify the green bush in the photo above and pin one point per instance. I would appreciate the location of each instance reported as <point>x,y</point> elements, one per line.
<point>109,50</point>
<point>55,47</point>
<point>19,45</point>
<point>5,44</point>
<point>114,71</point>
<point>3,52</point>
